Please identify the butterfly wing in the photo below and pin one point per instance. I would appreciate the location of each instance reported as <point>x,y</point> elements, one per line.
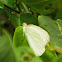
<point>37,38</point>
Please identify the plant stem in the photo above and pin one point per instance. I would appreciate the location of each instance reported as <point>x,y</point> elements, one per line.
<point>25,7</point>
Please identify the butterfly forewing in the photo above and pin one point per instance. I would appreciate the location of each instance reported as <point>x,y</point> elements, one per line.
<point>37,38</point>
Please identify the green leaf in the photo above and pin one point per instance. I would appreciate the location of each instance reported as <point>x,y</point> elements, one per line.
<point>52,28</point>
<point>7,53</point>
<point>18,36</point>
<point>28,18</point>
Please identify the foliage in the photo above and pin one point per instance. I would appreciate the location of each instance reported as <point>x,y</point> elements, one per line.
<point>13,43</point>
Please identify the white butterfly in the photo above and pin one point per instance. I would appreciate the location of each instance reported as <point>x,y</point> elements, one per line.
<point>37,38</point>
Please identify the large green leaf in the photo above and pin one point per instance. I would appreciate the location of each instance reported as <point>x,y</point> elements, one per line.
<point>7,53</point>
<point>52,28</point>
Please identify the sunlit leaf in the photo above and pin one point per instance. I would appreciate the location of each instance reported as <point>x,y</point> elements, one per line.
<point>55,35</point>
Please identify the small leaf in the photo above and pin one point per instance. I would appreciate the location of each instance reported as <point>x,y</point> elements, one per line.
<point>19,38</point>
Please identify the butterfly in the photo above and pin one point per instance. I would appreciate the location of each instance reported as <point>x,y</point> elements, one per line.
<point>37,38</point>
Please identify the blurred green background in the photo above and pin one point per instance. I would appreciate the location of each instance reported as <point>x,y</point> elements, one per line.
<point>44,13</point>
